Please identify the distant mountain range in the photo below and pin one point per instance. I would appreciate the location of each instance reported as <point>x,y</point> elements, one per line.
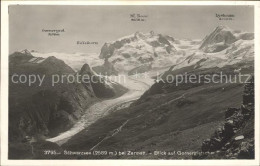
<point>144,52</point>
<point>74,60</point>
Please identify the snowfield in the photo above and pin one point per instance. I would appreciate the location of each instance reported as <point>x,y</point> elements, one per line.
<point>75,60</point>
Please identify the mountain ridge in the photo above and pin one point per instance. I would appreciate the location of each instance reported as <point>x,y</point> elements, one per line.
<point>223,46</point>
<point>41,109</point>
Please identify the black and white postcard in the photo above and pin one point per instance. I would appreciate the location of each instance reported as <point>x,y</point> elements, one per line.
<point>148,83</point>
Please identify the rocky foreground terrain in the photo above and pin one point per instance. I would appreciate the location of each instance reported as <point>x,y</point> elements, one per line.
<point>235,138</point>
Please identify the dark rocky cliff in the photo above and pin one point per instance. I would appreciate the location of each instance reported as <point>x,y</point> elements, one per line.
<point>45,109</point>
<point>48,109</point>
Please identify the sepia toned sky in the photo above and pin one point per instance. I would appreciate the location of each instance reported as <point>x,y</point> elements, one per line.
<point>107,23</point>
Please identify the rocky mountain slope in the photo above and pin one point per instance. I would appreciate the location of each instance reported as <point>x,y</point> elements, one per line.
<point>166,118</point>
<point>42,111</point>
<point>161,122</point>
<point>235,138</point>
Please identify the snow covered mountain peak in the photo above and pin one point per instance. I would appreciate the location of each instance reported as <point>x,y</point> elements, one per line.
<point>142,52</point>
<point>25,51</point>
<point>222,37</point>
<point>140,49</point>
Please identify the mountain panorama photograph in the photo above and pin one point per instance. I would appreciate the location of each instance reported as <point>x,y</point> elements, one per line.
<point>131,82</point>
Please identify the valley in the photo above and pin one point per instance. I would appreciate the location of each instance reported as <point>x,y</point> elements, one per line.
<point>166,122</point>
<point>99,110</point>
<point>130,106</point>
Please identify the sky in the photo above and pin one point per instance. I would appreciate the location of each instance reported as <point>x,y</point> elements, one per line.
<point>107,23</point>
